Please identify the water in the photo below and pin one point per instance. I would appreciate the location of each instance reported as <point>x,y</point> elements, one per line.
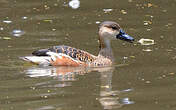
<point>140,79</point>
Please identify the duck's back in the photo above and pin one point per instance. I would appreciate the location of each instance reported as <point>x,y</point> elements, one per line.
<point>66,54</point>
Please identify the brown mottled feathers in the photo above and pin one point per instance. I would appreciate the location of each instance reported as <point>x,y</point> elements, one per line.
<point>76,54</point>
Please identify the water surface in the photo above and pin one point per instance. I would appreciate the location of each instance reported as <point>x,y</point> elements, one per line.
<point>143,77</point>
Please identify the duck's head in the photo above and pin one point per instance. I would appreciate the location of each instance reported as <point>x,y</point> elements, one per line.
<point>111,30</point>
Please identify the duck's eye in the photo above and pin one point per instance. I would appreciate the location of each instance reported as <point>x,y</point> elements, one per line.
<point>114,28</point>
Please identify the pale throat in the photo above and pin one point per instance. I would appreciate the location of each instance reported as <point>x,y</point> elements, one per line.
<point>107,43</point>
<point>105,48</point>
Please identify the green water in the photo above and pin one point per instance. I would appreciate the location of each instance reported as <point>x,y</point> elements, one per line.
<point>144,76</point>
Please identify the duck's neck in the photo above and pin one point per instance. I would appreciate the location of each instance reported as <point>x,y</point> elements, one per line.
<point>105,49</point>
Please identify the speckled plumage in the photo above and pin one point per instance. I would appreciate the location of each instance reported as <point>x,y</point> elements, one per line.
<point>74,53</point>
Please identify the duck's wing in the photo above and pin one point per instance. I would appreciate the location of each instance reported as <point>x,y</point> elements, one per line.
<point>67,53</point>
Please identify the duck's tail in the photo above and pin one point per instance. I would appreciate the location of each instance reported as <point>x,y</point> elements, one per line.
<point>40,60</point>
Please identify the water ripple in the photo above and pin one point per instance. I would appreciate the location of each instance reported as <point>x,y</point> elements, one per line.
<point>7,21</point>
<point>17,32</point>
<point>126,101</point>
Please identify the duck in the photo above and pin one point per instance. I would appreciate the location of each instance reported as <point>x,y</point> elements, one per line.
<point>63,55</point>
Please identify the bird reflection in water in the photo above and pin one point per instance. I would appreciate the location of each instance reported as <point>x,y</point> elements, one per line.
<point>108,98</point>
<point>61,73</point>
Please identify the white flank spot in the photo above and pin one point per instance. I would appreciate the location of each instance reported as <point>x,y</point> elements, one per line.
<point>39,60</point>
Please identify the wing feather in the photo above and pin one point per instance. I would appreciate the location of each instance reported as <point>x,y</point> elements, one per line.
<point>74,53</point>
